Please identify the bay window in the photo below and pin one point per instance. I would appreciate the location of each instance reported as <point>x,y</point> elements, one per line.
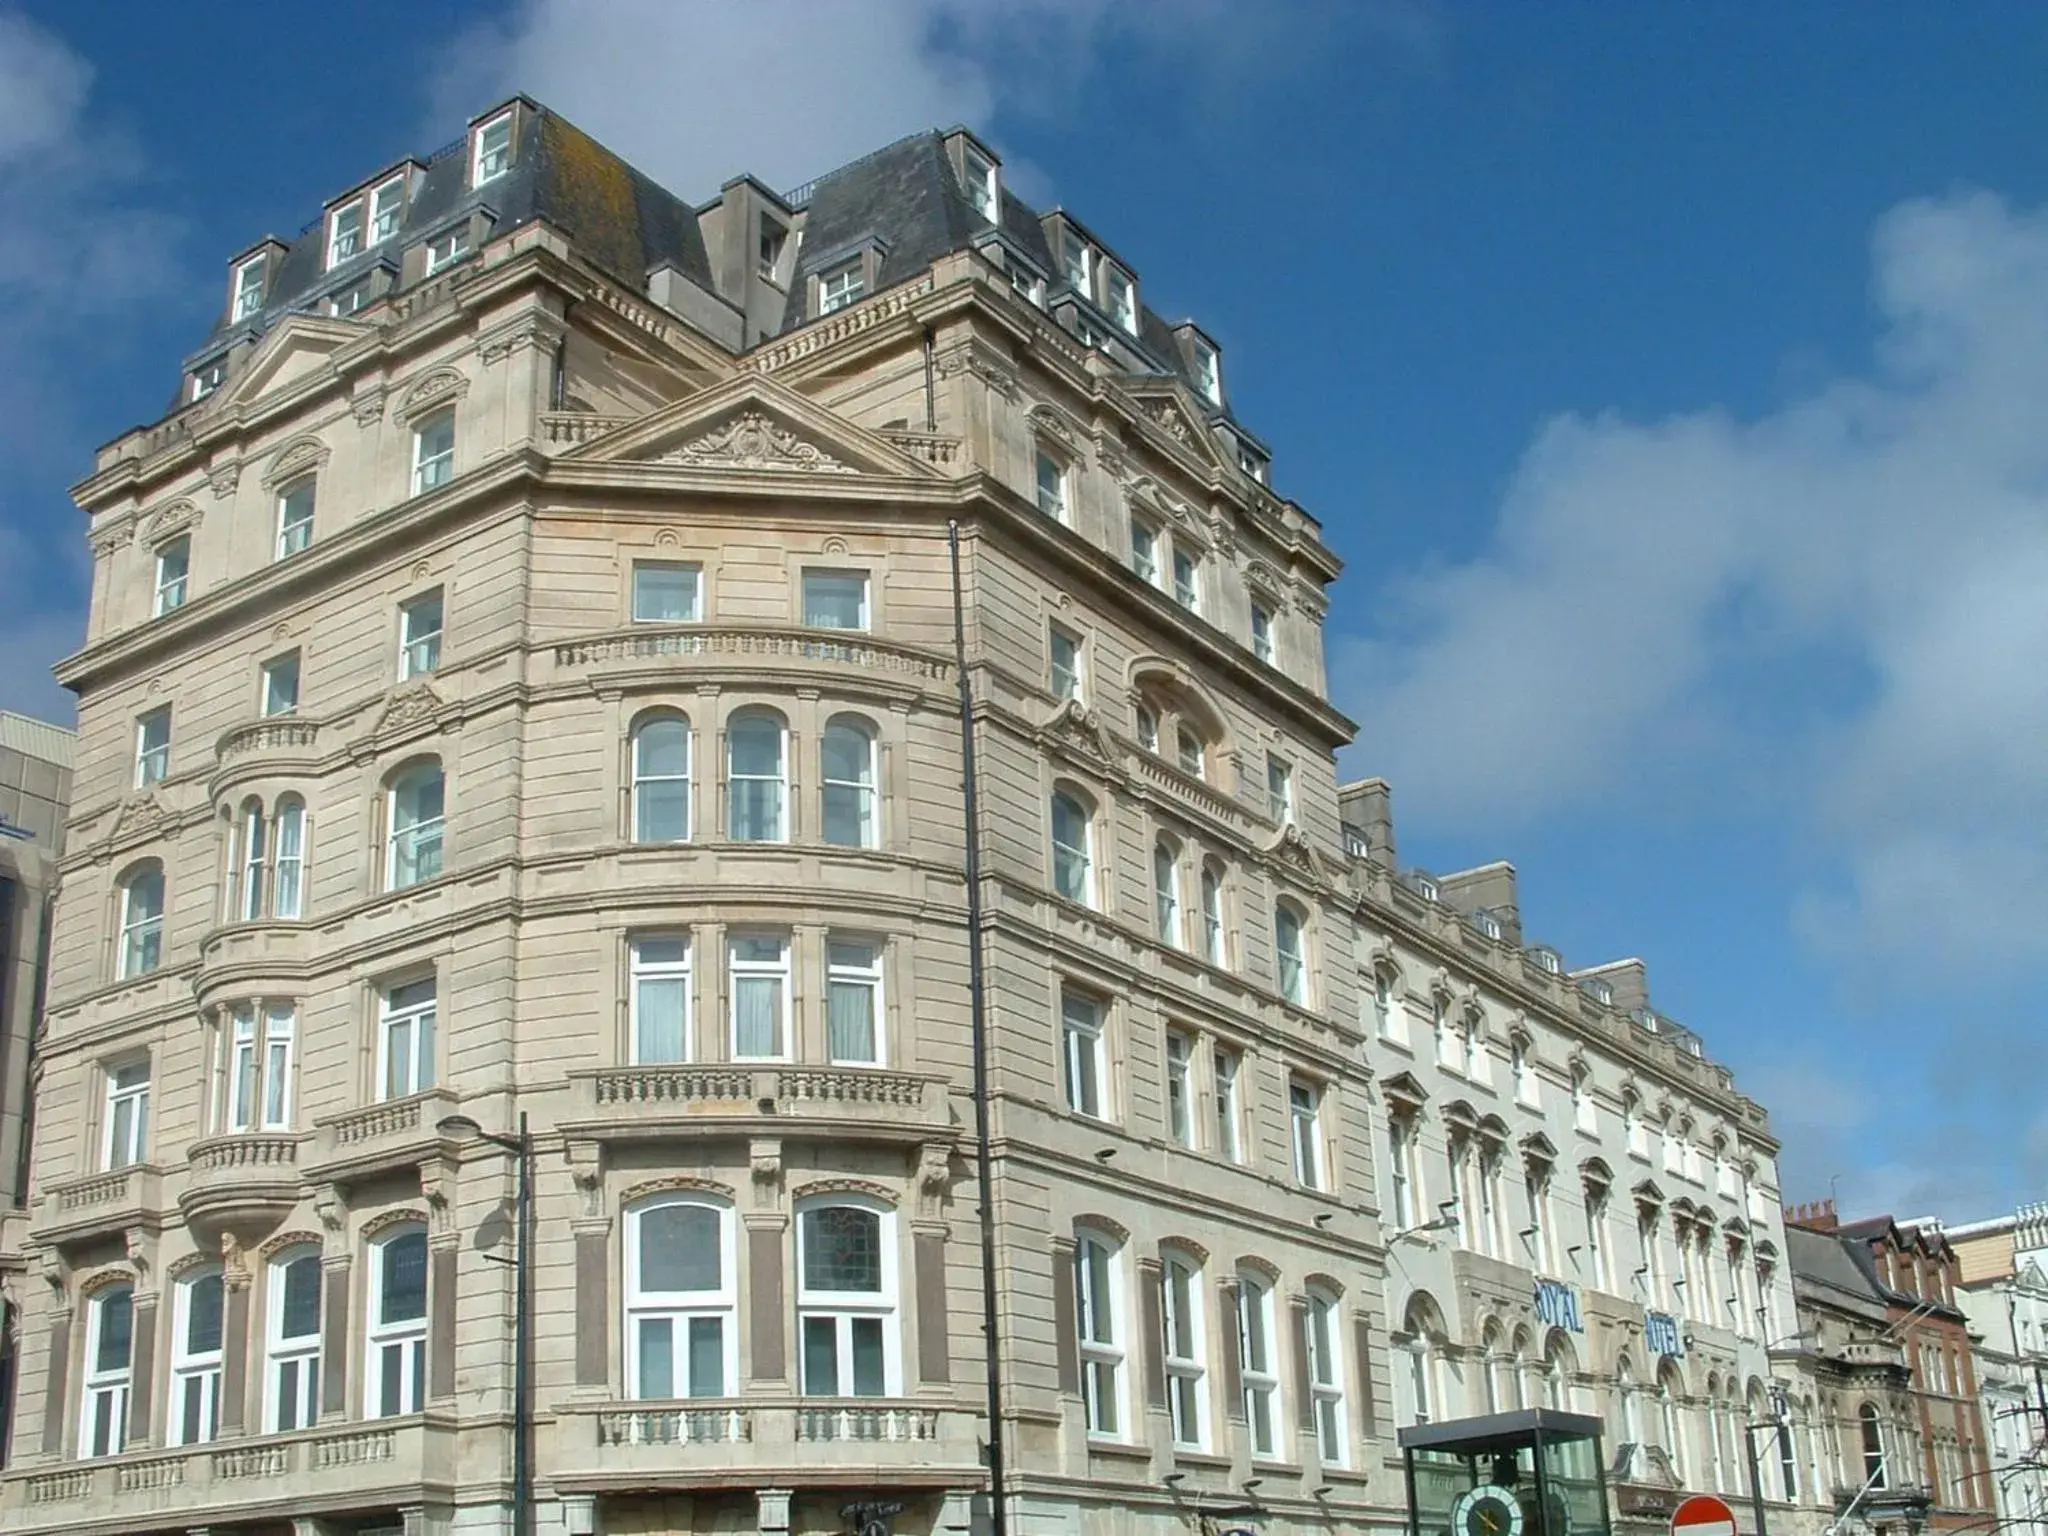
<point>661,780</point>
<point>660,998</point>
<point>853,1003</point>
<point>758,970</point>
<point>847,766</point>
<point>756,745</point>
<point>682,1329</point>
<point>846,1299</point>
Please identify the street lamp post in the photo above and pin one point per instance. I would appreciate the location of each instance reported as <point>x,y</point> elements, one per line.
<point>520,1145</point>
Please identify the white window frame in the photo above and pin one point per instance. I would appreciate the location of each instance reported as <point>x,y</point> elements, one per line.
<point>1120,298</point>
<point>291,1362</point>
<point>1209,372</point>
<point>386,214</point>
<point>758,968</point>
<point>1597,1255</point>
<point>248,288</point>
<point>820,579</point>
<point>1073,864</point>
<point>1262,633</point>
<point>1191,753</point>
<point>153,747</point>
<point>1215,937</point>
<point>1305,1121</point>
<point>680,1308</point>
<point>648,967</point>
<point>1259,1366</point>
<point>398,1344</point>
<point>774,828</point>
<point>855,965</point>
<point>1166,894</point>
<point>842,285</point>
<point>406,841</point>
<point>345,229</point>
<point>1323,1320</point>
<point>1290,957</point>
<point>289,834</point>
<point>1185,1347</point>
<point>431,470</point>
<point>105,1386</point>
<point>1187,580</point>
<point>1226,1069</point>
<point>1145,721</point>
<point>981,187</point>
<point>1050,486</point>
<point>1077,263</point>
<point>1084,1030</point>
<point>646,784</point>
<point>208,377</point>
<point>645,594</point>
<point>1065,665</point>
<point>125,1140</point>
<point>173,574</point>
<point>840,796</point>
<point>843,1310</point>
<point>1280,789</point>
<point>1402,1195</point>
<point>446,249</point>
<point>1099,1333</point>
<point>419,648</point>
<point>192,1415</point>
<point>491,155</point>
<point>257,1047</point>
<point>1180,1088</point>
<point>142,926</point>
<point>414,1026</point>
<point>277,699</point>
<point>1145,551</point>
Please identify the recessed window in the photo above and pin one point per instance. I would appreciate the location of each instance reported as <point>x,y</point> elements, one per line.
<point>153,747</point>
<point>349,301</point>
<point>836,599</point>
<point>419,635</point>
<point>1252,464</point>
<point>292,1344</point>
<point>1325,1378</point>
<point>1213,938</point>
<point>127,1112</point>
<point>773,237</point>
<point>1065,649</point>
<point>661,998</point>
<point>109,1371</point>
<point>142,922</point>
<point>209,377</point>
<point>846,1300</point>
<point>661,780</point>
<point>493,150</point>
<point>1208,373</point>
<point>1145,551</point>
<point>1166,893</point>
<point>1191,753</point>
<point>396,1380</point>
<point>387,209</point>
<point>758,966</point>
<point>1082,1047</point>
<point>1027,285</point>
<point>757,777</point>
<point>841,285</point>
<point>1229,1112</point>
<point>281,684</point>
<point>405,1048</point>
<point>1187,582</point>
<point>433,451</point>
<point>1180,1088</point>
<point>1305,1109</point>
<point>1072,852</point>
<point>1262,633</point>
<point>416,810</point>
<point>980,182</point>
<point>249,287</point>
<point>853,1003</point>
<point>667,592</point>
<point>447,249</point>
<point>345,233</point>
<point>1187,1393</point>
<point>1258,1363</point>
<point>295,517</point>
<point>1052,487</point>
<point>847,764</point>
<point>1098,1319</point>
<point>254,1090</point>
<point>1148,728</point>
<point>1290,946</point>
<point>173,572</point>
<point>1076,261</point>
<point>1122,300</point>
<point>1280,791</point>
<point>681,1300</point>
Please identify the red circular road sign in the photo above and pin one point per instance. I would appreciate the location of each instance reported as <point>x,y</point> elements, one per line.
<point>1703,1515</point>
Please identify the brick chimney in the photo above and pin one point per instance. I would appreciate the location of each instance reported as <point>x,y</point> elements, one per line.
<point>1814,1216</point>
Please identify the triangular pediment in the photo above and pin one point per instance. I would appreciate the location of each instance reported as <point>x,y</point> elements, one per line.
<point>1167,407</point>
<point>753,425</point>
<point>300,345</point>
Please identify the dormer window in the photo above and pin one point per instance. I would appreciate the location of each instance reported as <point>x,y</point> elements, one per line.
<point>206,379</point>
<point>773,236</point>
<point>348,301</point>
<point>1027,285</point>
<point>345,232</point>
<point>980,182</point>
<point>1208,373</point>
<point>387,209</point>
<point>841,285</point>
<point>249,286</point>
<point>1599,991</point>
<point>1251,463</point>
<point>1122,300</point>
<point>447,250</point>
<point>1076,259</point>
<point>493,150</point>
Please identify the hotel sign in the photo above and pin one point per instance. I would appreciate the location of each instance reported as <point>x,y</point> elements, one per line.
<point>1662,1335</point>
<point>1557,1306</point>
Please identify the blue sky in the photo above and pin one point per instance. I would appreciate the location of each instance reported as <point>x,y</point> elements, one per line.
<point>1672,378</point>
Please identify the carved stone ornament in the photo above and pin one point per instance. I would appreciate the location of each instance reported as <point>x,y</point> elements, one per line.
<point>751,441</point>
<point>141,1248</point>
<point>435,388</point>
<point>140,814</point>
<point>1055,426</point>
<point>934,1175</point>
<point>1079,728</point>
<point>586,1171</point>
<point>410,706</point>
<point>115,535</point>
<point>328,1207</point>
<point>298,457</point>
<point>367,405</point>
<point>234,1268</point>
<point>1172,418</point>
<point>765,1161</point>
<point>170,518</point>
<point>223,479</point>
<point>970,359</point>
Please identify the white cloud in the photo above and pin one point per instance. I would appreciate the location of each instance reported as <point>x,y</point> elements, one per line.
<point>1674,605</point>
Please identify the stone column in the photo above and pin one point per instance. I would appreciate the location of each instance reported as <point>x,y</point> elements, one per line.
<point>934,1344</point>
<point>1233,1374</point>
<point>441,1252</point>
<point>1305,1410</point>
<point>57,1379</point>
<point>234,1352</point>
<point>593,1300</point>
<point>768,1358</point>
<point>334,1334</point>
<point>1361,1351</point>
<point>1066,1344</point>
<point>1152,1343</point>
<point>142,1372</point>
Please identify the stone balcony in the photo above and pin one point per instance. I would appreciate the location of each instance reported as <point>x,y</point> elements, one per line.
<point>379,1138</point>
<point>605,1446</point>
<point>361,1467</point>
<point>283,742</point>
<point>243,1179</point>
<point>98,1204</point>
<point>657,1102</point>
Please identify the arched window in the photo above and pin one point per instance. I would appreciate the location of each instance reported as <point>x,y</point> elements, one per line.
<point>1669,1390</point>
<point>846,1299</point>
<point>1193,753</point>
<point>288,874</point>
<point>1166,892</point>
<point>1098,1325</point>
<point>395,1378</point>
<point>1187,1377</point>
<point>1258,1363</point>
<point>196,1358</point>
<point>1518,1365</point>
<point>1560,1365</point>
<point>756,769</point>
<point>1632,1123</point>
<point>1292,949</point>
<point>1073,860</point>
<point>848,764</point>
<point>291,1331</point>
<point>661,780</point>
<point>1585,1112</point>
<point>252,861</point>
<point>1420,1345</point>
<point>415,813</point>
<point>681,1298</point>
<point>142,921</point>
<point>1873,1445</point>
<point>1213,942</point>
<point>1631,1408</point>
<point>1326,1375</point>
<point>109,1370</point>
<point>1495,1368</point>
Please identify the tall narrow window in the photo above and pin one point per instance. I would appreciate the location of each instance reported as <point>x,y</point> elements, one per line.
<point>1072,854</point>
<point>396,1379</point>
<point>127,1113</point>
<point>295,517</point>
<point>1401,1171</point>
<point>256,1068</point>
<point>1383,1007</point>
<point>1305,1107</point>
<point>756,777</point>
<point>846,1300</point>
<point>1145,552</point>
<point>142,922</point>
<point>1262,633</point>
<point>1326,1376</point>
<point>493,150</point>
<point>196,1359</point>
<point>1166,894</point>
<point>1098,1320</point>
<point>1280,790</point>
<point>249,288</point>
<point>1212,916</point>
<point>345,233</point>
<point>417,807</point>
<point>1187,581</point>
<point>292,1341</point>
<point>1065,651</point>
<point>847,764</point>
<point>667,592</point>
<point>836,599</point>
<point>1596,1235</point>
<point>281,684</point>
<point>1123,301</point>
<point>387,209</point>
<point>253,860</point>
<point>173,574</point>
<point>153,747</point>
<point>1229,1113</point>
<point>661,780</point>
<point>406,1040</point>
<point>433,451</point>
<point>1052,486</point>
<point>1585,1112</point>
<point>1180,1112</point>
<point>853,1003</point>
<point>419,635</point>
<point>288,865</point>
<point>1187,1385</point>
<point>660,1004</point>
<point>681,1301</point>
<point>1291,948</point>
<point>759,974</point>
<point>1193,758</point>
<point>1082,1047</point>
<point>1147,726</point>
<point>1208,373</point>
<point>1873,1445</point>
<point>109,1370</point>
<point>1257,1365</point>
